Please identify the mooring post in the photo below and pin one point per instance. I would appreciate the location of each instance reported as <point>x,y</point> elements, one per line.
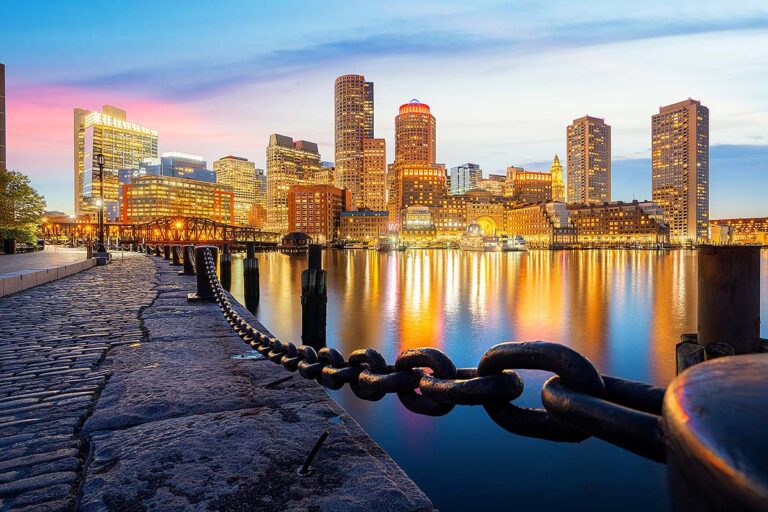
<point>148,248</point>
<point>204,290</point>
<point>166,252</point>
<point>714,417</point>
<point>189,254</point>
<point>314,298</point>
<point>158,251</point>
<point>225,266</point>
<point>176,255</point>
<point>251,276</point>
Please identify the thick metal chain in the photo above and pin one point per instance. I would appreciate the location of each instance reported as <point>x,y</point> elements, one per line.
<point>578,401</point>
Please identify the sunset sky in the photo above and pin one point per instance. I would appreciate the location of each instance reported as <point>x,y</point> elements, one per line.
<point>502,79</point>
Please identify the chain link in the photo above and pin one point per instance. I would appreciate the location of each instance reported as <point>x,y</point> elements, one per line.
<point>578,401</point>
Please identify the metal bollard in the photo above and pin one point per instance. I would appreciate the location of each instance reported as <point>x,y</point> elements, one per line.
<point>166,252</point>
<point>729,297</point>
<point>189,253</point>
<point>714,419</point>
<point>251,277</point>
<point>204,290</point>
<point>314,298</point>
<point>225,266</point>
<point>176,255</point>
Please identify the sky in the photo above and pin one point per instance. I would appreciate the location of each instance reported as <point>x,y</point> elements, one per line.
<point>503,79</point>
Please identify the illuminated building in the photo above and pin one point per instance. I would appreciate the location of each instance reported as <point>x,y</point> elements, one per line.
<point>589,161</point>
<point>494,183</point>
<point>418,224</point>
<point>528,186</point>
<point>123,145</point>
<point>257,216</point>
<point>557,183</point>
<point>261,186</point>
<point>454,213</point>
<point>315,210</point>
<point>619,223</point>
<point>353,108</point>
<point>3,158</point>
<point>289,163</point>
<point>415,178</point>
<point>542,224</point>
<point>745,231</point>
<point>240,174</point>
<point>363,226</point>
<point>680,168</point>
<point>464,178</point>
<point>175,165</point>
<point>374,185</point>
<point>150,197</point>
<point>326,174</point>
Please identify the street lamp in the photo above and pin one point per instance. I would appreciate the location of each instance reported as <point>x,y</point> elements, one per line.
<point>100,161</point>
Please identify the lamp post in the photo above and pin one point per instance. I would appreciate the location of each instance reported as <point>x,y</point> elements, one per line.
<point>100,161</point>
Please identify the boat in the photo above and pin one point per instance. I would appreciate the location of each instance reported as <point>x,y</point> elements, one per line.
<point>295,242</point>
<point>491,244</point>
<point>514,244</point>
<point>472,240</point>
<point>354,245</point>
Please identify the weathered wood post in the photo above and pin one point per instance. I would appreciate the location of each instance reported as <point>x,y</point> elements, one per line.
<point>166,252</point>
<point>176,255</point>
<point>314,298</point>
<point>204,290</point>
<point>225,267</point>
<point>189,254</point>
<point>251,277</point>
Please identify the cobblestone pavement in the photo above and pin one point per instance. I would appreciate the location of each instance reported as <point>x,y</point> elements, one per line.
<point>53,339</point>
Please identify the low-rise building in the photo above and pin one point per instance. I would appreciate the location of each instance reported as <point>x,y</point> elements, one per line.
<point>315,210</point>
<point>363,226</point>
<point>494,184</point>
<point>541,224</point>
<point>619,224</point>
<point>745,231</point>
<point>528,186</point>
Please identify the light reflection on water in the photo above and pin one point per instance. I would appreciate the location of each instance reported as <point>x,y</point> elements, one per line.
<point>624,310</point>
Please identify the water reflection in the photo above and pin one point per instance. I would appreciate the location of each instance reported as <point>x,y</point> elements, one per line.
<point>624,310</point>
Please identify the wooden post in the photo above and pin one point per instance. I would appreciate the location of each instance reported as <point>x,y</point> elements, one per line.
<point>204,290</point>
<point>166,252</point>
<point>225,268</point>
<point>314,298</point>
<point>189,254</point>
<point>251,277</point>
<point>176,255</point>
<point>158,252</point>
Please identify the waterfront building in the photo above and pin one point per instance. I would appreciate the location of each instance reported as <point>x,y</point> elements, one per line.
<point>289,163</point>
<point>680,168</point>
<point>744,231</point>
<point>494,183</point>
<point>619,223</point>
<point>542,225</point>
<point>240,174</point>
<point>353,123</point>
<point>464,178</point>
<point>557,183</point>
<point>418,225</point>
<point>589,160</point>
<point>123,145</point>
<point>415,185</point>
<point>454,213</point>
<point>147,198</point>
<point>374,183</point>
<point>3,157</point>
<point>315,210</point>
<point>363,226</point>
<point>528,186</point>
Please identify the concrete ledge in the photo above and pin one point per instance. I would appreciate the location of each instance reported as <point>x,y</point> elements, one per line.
<point>22,280</point>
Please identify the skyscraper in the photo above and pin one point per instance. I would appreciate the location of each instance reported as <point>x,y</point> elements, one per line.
<point>123,145</point>
<point>240,174</point>
<point>353,106</point>
<point>3,158</point>
<point>464,178</point>
<point>415,134</point>
<point>589,161</point>
<point>374,186</point>
<point>680,168</point>
<point>288,163</point>
<point>558,186</point>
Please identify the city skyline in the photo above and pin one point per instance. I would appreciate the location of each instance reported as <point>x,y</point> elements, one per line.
<point>501,124</point>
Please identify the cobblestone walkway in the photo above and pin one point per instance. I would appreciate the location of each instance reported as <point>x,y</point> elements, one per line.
<point>53,339</point>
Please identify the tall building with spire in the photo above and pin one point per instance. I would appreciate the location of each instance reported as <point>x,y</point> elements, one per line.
<point>589,161</point>
<point>353,123</point>
<point>3,158</point>
<point>558,186</point>
<point>680,169</point>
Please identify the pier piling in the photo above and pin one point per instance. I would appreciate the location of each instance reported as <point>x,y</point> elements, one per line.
<point>166,252</point>
<point>251,276</point>
<point>314,298</point>
<point>189,254</point>
<point>176,255</point>
<point>204,289</point>
<point>225,267</point>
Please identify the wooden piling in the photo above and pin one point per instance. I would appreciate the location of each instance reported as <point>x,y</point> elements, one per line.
<point>225,267</point>
<point>314,298</point>
<point>251,277</point>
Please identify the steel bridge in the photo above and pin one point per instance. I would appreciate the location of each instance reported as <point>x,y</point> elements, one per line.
<point>160,230</point>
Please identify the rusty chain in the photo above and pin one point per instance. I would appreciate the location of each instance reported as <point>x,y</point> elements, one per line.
<point>578,401</point>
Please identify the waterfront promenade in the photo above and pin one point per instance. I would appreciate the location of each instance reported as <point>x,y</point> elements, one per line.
<point>118,394</point>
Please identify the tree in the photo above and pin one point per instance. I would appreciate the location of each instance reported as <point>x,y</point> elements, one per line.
<point>20,206</point>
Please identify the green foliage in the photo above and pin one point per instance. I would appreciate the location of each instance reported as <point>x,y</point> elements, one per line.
<point>21,207</point>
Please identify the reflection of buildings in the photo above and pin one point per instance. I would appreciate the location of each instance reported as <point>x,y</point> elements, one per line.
<point>589,161</point>
<point>315,209</point>
<point>746,231</point>
<point>150,197</point>
<point>240,174</point>
<point>680,163</point>
<point>123,144</point>
<point>363,225</point>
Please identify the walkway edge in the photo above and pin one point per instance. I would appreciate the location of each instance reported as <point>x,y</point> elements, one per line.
<point>25,279</point>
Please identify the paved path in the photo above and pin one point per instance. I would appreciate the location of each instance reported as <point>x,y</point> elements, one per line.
<point>51,257</point>
<point>159,406</point>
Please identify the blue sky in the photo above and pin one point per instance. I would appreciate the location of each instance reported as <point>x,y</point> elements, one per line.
<point>503,79</point>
